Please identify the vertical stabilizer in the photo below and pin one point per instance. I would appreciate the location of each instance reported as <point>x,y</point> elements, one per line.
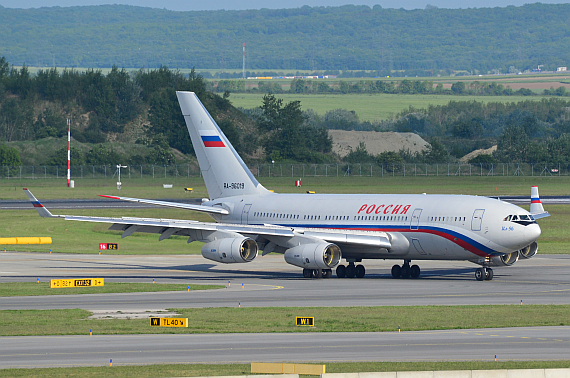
<point>535,204</point>
<point>224,172</point>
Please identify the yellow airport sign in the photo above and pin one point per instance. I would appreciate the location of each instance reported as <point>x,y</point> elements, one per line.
<point>169,322</point>
<point>76,282</point>
<point>305,321</point>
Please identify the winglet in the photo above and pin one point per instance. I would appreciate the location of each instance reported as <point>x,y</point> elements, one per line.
<point>536,208</point>
<point>39,207</point>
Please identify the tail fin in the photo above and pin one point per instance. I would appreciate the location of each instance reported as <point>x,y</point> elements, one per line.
<point>45,213</point>
<point>536,208</point>
<point>225,173</point>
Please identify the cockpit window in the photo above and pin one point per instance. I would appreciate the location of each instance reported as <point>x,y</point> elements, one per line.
<point>507,218</point>
<point>515,218</point>
<point>524,217</point>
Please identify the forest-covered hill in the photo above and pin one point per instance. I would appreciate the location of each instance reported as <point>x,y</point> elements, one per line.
<point>425,42</point>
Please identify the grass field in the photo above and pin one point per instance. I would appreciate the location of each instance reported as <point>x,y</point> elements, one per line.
<point>80,237</point>
<point>201,370</point>
<point>277,320</point>
<point>14,289</point>
<point>368,107</point>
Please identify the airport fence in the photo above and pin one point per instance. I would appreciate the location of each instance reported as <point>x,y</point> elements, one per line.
<point>288,170</point>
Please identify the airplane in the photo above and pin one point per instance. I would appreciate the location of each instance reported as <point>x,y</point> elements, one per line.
<point>315,231</point>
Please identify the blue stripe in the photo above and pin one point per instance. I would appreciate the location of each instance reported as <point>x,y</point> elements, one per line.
<point>212,138</point>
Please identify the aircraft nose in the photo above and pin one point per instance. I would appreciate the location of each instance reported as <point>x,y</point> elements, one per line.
<point>532,232</point>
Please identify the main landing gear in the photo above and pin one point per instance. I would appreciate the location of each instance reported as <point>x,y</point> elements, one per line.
<point>317,273</point>
<point>484,274</point>
<point>350,271</point>
<point>406,271</point>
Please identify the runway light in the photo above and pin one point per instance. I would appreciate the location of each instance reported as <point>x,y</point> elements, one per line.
<point>99,251</point>
<point>239,304</point>
<point>153,280</point>
<point>495,358</point>
<point>188,287</point>
<point>242,286</point>
<point>111,362</point>
<point>38,280</point>
<point>50,251</point>
<point>521,302</point>
<point>398,329</point>
<point>229,283</point>
<point>91,332</point>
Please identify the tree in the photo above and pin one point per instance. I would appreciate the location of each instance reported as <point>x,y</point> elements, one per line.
<point>458,87</point>
<point>9,156</point>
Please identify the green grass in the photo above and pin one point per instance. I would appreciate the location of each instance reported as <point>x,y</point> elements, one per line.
<point>273,320</point>
<point>84,237</point>
<point>203,370</point>
<point>14,289</point>
<point>368,107</point>
<point>152,188</point>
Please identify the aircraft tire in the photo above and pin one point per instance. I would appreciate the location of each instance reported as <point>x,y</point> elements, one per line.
<point>406,271</point>
<point>341,271</point>
<point>307,273</point>
<point>327,273</point>
<point>396,271</point>
<point>350,271</point>
<point>360,271</point>
<point>488,274</point>
<point>317,273</point>
<point>415,271</point>
<point>480,274</point>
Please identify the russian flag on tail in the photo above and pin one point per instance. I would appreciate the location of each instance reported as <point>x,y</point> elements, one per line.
<point>210,138</point>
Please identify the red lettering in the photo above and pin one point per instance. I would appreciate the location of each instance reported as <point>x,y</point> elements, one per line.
<point>370,209</point>
<point>387,209</point>
<point>396,209</point>
<point>362,208</point>
<point>378,209</point>
<point>405,209</point>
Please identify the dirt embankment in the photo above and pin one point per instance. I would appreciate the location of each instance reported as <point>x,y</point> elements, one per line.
<point>375,142</point>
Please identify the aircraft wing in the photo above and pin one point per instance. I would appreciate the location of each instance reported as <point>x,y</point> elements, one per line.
<point>273,238</point>
<point>187,206</point>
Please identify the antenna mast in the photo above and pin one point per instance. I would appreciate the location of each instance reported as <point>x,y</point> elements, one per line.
<point>243,66</point>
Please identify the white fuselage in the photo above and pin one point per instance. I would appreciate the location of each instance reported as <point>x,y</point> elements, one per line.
<point>438,227</point>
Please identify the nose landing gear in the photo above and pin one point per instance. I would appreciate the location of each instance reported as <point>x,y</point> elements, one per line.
<point>484,274</point>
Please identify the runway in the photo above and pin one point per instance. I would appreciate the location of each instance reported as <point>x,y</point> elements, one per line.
<point>529,343</point>
<point>269,281</point>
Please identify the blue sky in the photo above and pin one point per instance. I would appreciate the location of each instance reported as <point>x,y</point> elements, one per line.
<point>189,5</point>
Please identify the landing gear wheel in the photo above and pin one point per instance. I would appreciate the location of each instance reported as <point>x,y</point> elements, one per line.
<point>489,274</point>
<point>307,273</point>
<point>341,271</point>
<point>360,271</point>
<point>317,273</point>
<point>415,271</point>
<point>480,274</point>
<point>327,273</point>
<point>406,271</point>
<point>350,271</point>
<point>396,271</point>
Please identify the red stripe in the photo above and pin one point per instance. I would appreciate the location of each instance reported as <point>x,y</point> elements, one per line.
<point>38,205</point>
<point>102,195</point>
<point>214,144</point>
<point>535,201</point>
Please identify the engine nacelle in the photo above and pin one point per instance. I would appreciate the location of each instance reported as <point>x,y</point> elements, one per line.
<point>314,256</point>
<point>231,250</point>
<point>506,259</point>
<point>529,251</point>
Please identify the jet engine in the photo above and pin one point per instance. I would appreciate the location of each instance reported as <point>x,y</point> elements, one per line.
<point>529,251</point>
<point>231,250</point>
<point>314,256</point>
<point>507,259</point>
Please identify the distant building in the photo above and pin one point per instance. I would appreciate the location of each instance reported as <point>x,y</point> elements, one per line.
<point>560,69</point>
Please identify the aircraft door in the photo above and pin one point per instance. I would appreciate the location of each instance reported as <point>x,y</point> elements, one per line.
<point>245,214</point>
<point>415,222</point>
<point>477,220</point>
